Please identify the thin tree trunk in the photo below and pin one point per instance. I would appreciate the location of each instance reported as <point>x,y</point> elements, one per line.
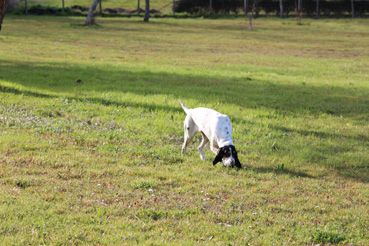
<point>281,8</point>
<point>147,11</point>
<point>3,5</point>
<point>352,9</point>
<point>90,19</point>
<point>250,20</point>
<point>299,3</point>
<point>255,9</point>
<point>211,6</point>
<point>296,6</point>
<point>317,9</point>
<point>250,15</point>
<point>245,7</point>
<point>138,4</point>
<point>100,7</point>
<point>63,6</point>
<point>26,7</point>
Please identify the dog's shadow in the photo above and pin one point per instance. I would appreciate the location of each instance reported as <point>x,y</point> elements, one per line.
<point>278,171</point>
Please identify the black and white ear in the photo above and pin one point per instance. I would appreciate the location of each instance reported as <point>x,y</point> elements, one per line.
<point>237,161</point>
<point>219,157</point>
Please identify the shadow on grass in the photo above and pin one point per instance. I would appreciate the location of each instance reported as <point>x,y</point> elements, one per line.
<point>242,92</point>
<point>284,171</point>
<point>102,101</point>
<point>321,134</point>
<point>295,99</point>
<point>359,173</point>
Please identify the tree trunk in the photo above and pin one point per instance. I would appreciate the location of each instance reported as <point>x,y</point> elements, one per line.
<point>281,8</point>
<point>26,7</point>
<point>250,15</point>
<point>250,20</point>
<point>255,9</point>
<point>211,6</point>
<point>3,5</point>
<point>245,7</point>
<point>63,6</point>
<point>138,4</point>
<point>317,9</point>
<point>299,3</point>
<point>147,11</point>
<point>90,19</point>
<point>100,7</point>
<point>352,9</point>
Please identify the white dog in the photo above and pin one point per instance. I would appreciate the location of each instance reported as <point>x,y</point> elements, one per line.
<point>215,129</point>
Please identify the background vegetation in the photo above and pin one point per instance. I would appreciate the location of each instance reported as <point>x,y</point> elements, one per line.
<point>337,8</point>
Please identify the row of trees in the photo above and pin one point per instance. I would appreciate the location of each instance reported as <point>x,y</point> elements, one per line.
<point>90,20</point>
<point>280,7</point>
<point>250,7</point>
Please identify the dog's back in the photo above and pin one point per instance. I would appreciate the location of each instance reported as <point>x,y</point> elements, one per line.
<point>212,123</point>
<point>202,115</point>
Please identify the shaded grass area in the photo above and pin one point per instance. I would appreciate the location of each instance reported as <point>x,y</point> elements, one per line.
<point>91,132</point>
<point>284,98</point>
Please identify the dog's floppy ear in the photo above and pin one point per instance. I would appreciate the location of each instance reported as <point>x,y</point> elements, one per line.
<point>238,163</point>
<point>235,155</point>
<point>219,156</point>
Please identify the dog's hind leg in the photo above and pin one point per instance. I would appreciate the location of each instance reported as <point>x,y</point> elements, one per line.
<point>204,141</point>
<point>190,130</point>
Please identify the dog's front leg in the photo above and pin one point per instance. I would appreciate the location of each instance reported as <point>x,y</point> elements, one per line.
<point>214,148</point>
<point>190,130</point>
<point>186,141</point>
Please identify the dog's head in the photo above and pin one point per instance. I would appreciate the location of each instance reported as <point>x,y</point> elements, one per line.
<point>227,155</point>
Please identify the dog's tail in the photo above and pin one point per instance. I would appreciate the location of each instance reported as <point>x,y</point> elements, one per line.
<point>187,110</point>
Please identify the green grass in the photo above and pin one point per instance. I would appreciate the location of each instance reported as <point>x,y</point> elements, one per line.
<point>98,162</point>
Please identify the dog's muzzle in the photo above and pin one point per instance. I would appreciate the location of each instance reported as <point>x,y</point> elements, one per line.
<point>229,161</point>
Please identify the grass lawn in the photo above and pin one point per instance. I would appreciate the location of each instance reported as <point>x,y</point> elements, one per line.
<point>91,131</point>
